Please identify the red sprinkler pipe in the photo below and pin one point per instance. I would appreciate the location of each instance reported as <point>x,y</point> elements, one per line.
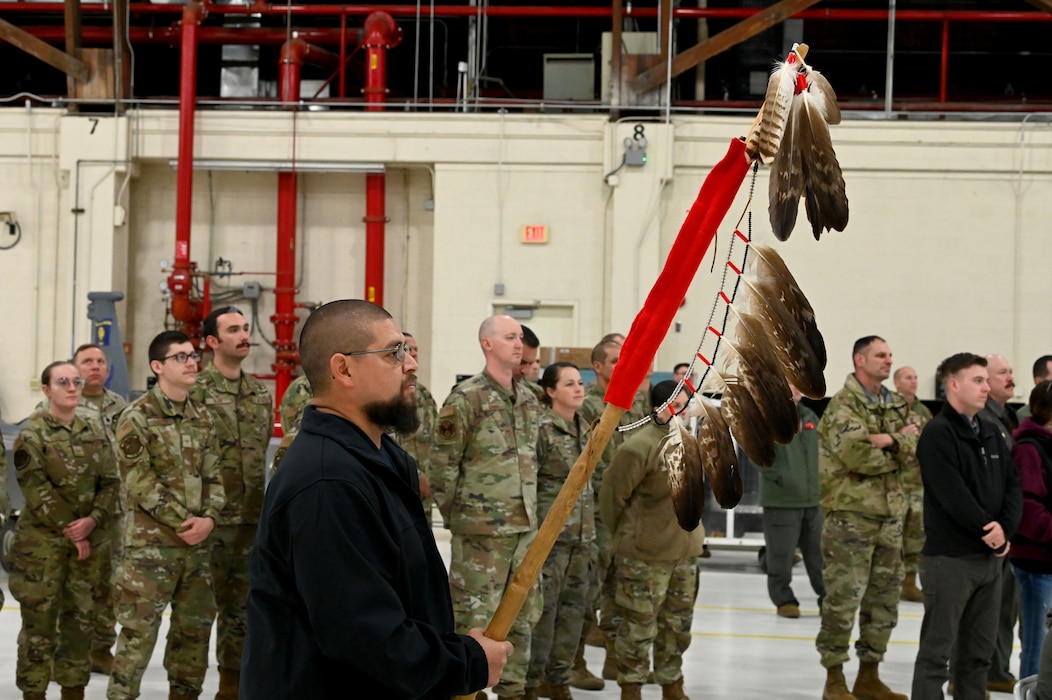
<point>381,33</point>
<point>171,36</point>
<point>187,311</point>
<point>293,54</point>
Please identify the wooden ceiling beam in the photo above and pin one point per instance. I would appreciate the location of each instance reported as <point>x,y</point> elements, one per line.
<point>47,53</point>
<point>747,28</point>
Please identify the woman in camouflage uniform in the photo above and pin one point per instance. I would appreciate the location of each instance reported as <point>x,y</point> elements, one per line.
<point>562,434</point>
<point>68,475</point>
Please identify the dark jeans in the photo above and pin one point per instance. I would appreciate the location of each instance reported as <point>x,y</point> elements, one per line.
<point>1035,598</point>
<point>961,602</point>
<point>785,529</point>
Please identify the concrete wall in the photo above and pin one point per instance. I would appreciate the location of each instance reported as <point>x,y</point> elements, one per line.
<point>943,252</point>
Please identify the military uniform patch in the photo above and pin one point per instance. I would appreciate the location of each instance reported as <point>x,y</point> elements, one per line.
<point>21,458</point>
<point>131,446</point>
<point>447,429</point>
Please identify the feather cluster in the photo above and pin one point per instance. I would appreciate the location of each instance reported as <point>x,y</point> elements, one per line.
<point>792,135</point>
<point>679,452</point>
<point>775,343</point>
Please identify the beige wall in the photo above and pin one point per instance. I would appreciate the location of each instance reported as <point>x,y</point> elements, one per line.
<point>944,251</point>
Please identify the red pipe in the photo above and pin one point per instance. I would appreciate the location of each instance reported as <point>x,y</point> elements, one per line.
<point>284,319</point>
<point>944,67</point>
<point>103,36</point>
<point>187,311</point>
<point>568,11</point>
<point>381,34</point>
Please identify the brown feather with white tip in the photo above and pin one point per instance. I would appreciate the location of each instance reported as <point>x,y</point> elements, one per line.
<point>686,479</point>
<point>746,422</point>
<point>774,281</point>
<point>718,458</point>
<point>791,346</point>
<point>762,376</point>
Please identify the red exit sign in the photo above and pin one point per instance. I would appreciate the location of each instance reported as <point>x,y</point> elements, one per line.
<point>534,234</point>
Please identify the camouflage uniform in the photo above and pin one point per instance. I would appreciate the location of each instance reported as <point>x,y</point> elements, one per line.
<point>66,472</point>
<point>913,525</point>
<point>418,445</point>
<point>484,481</point>
<point>565,583</point>
<point>602,577</point>
<point>656,567</point>
<point>168,457</point>
<point>536,388</point>
<point>243,413</point>
<point>864,502</point>
<point>107,407</point>
<point>296,398</point>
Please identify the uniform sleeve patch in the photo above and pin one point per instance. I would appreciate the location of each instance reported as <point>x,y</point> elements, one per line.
<point>447,429</point>
<point>131,446</point>
<point>21,458</point>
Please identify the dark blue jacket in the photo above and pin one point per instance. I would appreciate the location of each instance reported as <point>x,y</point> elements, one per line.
<point>349,597</point>
<point>969,481</point>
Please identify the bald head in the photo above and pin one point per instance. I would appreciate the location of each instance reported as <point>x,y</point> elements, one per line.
<point>339,326</point>
<point>905,379</point>
<point>1002,382</point>
<point>501,341</point>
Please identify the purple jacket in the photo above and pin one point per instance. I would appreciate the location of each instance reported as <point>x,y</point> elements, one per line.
<point>1032,545</point>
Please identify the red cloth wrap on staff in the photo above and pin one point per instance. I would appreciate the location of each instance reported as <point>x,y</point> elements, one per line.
<point>653,321</point>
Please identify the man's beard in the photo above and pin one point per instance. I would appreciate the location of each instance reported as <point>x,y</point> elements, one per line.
<point>397,414</point>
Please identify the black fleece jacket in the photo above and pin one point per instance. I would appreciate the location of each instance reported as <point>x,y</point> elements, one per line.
<point>969,481</point>
<point>349,597</point>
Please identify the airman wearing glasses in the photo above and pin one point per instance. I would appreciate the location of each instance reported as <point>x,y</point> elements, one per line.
<point>168,458</point>
<point>418,443</point>
<point>349,596</point>
<point>67,473</point>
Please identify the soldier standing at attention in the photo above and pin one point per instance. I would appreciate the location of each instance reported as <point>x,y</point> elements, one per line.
<point>484,481</point>
<point>168,458</point>
<point>107,406</point>
<point>657,560</point>
<point>243,411</point>
<point>905,379</point>
<point>66,471</point>
<point>865,438</point>
<point>565,582</point>
<point>418,444</point>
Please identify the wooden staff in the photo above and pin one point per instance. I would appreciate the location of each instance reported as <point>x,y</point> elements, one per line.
<point>527,573</point>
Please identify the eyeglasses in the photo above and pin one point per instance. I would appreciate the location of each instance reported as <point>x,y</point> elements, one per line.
<point>182,357</point>
<point>398,352</point>
<point>65,382</point>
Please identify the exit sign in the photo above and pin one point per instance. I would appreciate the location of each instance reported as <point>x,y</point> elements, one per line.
<point>534,234</point>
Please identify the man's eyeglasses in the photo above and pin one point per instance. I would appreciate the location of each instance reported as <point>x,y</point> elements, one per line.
<point>182,357</point>
<point>398,352</point>
<point>65,382</point>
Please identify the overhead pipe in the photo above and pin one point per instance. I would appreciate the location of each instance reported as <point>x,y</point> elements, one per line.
<point>187,311</point>
<point>172,36</point>
<point>381,34</point>
<point>513,11</point>
<point>294,53</point>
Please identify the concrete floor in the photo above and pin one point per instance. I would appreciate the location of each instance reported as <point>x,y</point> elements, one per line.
<point>741,649</point>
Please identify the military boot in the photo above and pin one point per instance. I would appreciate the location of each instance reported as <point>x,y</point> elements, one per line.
<point>674,691</point>
<point>76,693</point>
<point>610,665</point>
<point>31,695</point>
<point>836,686</point>
<point>631,691</point>
<point>868,685</point>
<point>182,694</point>
<point>533,693</point>
<point>228,684</point>
<point>581,677</point>
<point>910,591</point>
<point>559,692</point>
<point>101,661</point>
